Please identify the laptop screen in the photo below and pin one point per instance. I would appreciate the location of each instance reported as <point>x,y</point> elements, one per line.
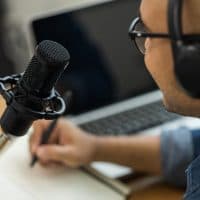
<point>105,67</point>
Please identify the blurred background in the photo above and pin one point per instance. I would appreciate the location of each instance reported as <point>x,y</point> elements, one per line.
<point>104,66</point>
<point>7,66</point>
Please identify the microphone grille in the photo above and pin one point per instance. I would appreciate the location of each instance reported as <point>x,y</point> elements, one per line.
<point>52,53</point>
<point>45,68</point>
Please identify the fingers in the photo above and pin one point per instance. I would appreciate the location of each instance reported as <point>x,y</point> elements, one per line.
<point>64,146</point>
<point>54,137</point>
<point>35,138</point>
<point>53,152</point>
<point>57,153</point>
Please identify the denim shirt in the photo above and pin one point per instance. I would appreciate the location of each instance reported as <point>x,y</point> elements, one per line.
<point>193,171</point>
<point>193,181</point>
<point>180,148</point>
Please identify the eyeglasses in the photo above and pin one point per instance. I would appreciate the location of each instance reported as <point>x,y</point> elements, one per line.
<point>139,33</point>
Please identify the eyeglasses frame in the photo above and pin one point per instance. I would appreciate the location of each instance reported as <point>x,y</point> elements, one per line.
<point>133,34</point>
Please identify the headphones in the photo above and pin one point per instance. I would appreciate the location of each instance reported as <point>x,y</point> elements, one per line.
<point>186,55</point>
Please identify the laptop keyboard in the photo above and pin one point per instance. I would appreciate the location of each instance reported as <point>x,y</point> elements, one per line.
<point>131,121</point>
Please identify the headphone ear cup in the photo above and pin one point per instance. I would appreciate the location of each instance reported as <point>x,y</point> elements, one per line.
<point>187,68</point>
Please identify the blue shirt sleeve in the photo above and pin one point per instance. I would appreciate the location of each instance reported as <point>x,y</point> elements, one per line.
<point>177,151</point>
<point>196,142</point>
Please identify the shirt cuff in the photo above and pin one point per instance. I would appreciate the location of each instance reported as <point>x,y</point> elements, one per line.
<point>176,154</point>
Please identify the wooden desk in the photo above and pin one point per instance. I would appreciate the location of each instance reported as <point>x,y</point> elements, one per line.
<point>159,191</point>
<point>154,192</point>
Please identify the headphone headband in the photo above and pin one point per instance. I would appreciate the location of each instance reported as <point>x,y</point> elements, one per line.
<point>175,19</point>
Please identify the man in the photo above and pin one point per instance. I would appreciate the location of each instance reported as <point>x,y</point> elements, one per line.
<point>166,154</point>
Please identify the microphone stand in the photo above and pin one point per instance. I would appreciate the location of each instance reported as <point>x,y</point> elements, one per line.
<point>5,139</point>
<point>27,100</point>
<point>49,111</point>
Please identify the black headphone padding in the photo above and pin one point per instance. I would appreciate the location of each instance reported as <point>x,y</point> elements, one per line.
<point>186,55</point>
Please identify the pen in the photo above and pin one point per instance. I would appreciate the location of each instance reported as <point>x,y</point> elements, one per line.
<point>45,137</point>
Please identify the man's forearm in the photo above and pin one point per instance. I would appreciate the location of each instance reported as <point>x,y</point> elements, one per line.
<point>140,152</point>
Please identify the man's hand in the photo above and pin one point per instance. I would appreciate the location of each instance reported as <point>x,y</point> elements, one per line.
<point>67,145</point>
<point>73,147</point>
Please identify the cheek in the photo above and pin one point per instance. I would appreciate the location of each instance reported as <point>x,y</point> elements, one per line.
<point>158,60</point>
<point>159,63</point>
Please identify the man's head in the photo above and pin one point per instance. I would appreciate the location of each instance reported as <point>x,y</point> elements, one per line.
<point>158,57</point>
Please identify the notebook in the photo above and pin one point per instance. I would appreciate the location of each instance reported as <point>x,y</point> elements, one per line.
<point>20,182</point>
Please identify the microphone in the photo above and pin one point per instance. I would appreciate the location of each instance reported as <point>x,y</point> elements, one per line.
<point>31,95</point>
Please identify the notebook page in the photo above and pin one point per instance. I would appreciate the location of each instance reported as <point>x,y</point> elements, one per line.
<point>49,183</point>
<point>9,190</point>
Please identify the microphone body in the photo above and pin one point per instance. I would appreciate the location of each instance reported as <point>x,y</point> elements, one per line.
<point>33,96</point>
